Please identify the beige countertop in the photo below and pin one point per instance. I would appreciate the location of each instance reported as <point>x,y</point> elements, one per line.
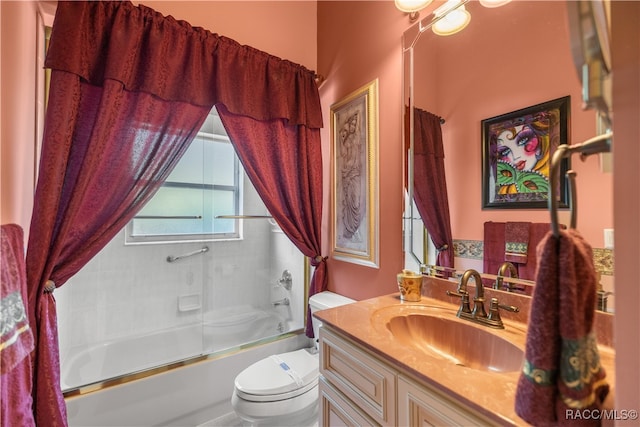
<point>491,394</point>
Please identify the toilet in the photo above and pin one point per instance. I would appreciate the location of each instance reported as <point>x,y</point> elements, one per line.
<point>282,389</point>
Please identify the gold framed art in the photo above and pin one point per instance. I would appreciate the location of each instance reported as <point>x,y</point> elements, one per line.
<point>354,177</point>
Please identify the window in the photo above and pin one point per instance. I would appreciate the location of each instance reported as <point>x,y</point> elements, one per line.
<point>204,185</point>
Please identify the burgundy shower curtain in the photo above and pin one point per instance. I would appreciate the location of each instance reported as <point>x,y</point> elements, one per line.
<point>285,171</point>
<point>129,90</point>
<point>105,152</point>
<point>430,185</point>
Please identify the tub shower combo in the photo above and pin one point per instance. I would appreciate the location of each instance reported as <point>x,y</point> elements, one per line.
<point>137,310</point>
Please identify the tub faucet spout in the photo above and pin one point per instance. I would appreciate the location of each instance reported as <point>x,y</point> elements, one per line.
<point>284,301</point>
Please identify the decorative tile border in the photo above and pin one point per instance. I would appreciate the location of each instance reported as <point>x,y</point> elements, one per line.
<point>474,249</point>
<point>603,260</point>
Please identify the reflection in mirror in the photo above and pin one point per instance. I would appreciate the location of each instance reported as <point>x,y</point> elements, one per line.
<point>430,199</point>
<point>589,31</point>
<point>501,281</point>
<point>507,58</point>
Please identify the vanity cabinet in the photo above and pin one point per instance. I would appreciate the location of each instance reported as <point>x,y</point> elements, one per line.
<point>359,380</point>
<point>357,388</point>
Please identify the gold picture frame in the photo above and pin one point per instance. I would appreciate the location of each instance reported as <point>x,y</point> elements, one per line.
<point>354,177</point>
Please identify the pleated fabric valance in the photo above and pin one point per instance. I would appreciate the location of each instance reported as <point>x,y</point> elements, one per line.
<point>135,45</point>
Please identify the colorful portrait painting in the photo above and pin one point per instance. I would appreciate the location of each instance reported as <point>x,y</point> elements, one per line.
<point>517,150</point>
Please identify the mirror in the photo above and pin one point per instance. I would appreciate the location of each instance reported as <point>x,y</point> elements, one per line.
<point>507,58</point>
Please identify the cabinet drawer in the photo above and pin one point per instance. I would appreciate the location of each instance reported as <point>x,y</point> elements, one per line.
<point>337,411</point>
<point>368,383</point>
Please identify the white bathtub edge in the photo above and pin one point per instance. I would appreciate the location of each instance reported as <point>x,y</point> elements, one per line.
<point>186,396</point>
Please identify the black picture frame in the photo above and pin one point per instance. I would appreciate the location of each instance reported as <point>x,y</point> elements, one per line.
<point>517,149</point>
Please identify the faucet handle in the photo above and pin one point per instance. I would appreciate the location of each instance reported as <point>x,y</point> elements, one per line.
<point>465,308</point>
<point>494,320</point>
<point>511,308</point>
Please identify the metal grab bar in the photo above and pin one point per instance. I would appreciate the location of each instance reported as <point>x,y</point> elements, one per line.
<point>598,144</point>
<point>172,258</point>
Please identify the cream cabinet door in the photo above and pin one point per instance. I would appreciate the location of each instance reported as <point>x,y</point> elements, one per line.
<point>418,406</point>
<point>337,411</point>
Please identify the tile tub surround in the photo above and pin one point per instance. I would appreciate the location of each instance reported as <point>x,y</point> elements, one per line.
<point>491,394</point>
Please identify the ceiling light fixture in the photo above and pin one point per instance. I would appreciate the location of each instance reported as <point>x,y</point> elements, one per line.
<point>412,7</point>
<point>493,3</point>
<point>452,17</point>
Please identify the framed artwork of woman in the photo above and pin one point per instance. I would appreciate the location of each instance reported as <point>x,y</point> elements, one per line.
<point>354,177</point>
<point>516,155</point>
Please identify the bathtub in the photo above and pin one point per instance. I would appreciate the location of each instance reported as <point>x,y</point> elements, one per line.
<point>187,396</point>
<point>221,330</point>
<point>232,326</point>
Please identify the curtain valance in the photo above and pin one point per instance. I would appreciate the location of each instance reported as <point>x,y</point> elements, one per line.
<point>136,45</point>
<point>428,133</point>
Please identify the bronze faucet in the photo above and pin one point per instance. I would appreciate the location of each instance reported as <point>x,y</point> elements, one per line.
<point>478,300</point>
<point>478,314</point>
<point>513,273</point>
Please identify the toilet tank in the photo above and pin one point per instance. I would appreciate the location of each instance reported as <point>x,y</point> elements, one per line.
<point>322,301</point>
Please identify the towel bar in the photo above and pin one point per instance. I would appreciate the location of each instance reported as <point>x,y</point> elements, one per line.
<point>598,144</point>
<point>168,217</point>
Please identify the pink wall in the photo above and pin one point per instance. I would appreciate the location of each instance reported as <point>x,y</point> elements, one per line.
<point>360,41</point>
<point>286,29</point>
<point>17,130</point>
<point>354,49</point>
<point>357,42</point>
<point>504,61</point>
<point>626,149</point>
<point>458,81</point>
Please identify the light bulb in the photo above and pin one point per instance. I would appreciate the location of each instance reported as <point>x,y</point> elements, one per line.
<point>412,5</point>
<point>454,21</point>
<point>494,3</point>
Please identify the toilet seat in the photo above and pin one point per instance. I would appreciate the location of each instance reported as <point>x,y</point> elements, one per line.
<point>276,397</point>
<point>278,377</point>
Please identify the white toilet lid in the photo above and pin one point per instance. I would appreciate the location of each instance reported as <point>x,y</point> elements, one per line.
<point>277,374</point>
